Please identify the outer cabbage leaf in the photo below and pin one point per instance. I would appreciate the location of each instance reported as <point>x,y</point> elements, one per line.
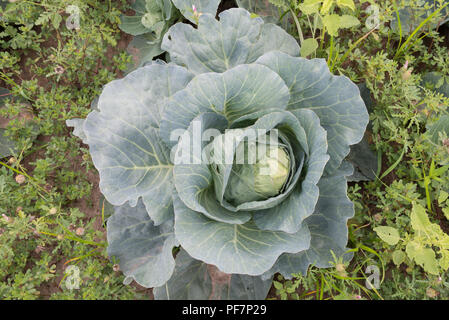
<point>151,20</point>
<point>151,16</point>
<point>133,24</point>
<point>202,7</point>
<point>411,16</point>
<point>364,161</point>
<point>335,99</point>
<point>78,128</point>
<point>188,281</point>
<point>124,138</point>
<point>362,156</point>
<point>327,225</point>
<point>273,37</point>
<point>233,248</point>
<point>216,46</point>
<point>7,147</point>
<point>288,215</point>
<point>196,280</point>
<point>242,90</point>
<point>436,81</point>
<point>244,287</point>
<point>143,48</point>
<point>441,125</point>
<point>267,11</point>
<point>144,250</point>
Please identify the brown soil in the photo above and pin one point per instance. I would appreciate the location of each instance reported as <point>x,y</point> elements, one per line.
<point>225,5</point>
<point>89,205</point>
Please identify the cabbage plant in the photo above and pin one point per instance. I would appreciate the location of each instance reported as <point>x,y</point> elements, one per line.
<point>413,12</point>
<point>152,19</point>
<point>200,211</point>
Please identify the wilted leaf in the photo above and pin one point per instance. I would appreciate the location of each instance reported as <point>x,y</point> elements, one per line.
<point>346,4</point>
<point>388,234</point>
<point>419,219</point>
<point>144,250</point>
<point>398,257</point>
<point>131,107</point>
<point>78,130</point>
<point>308,47</point>
<point>196,280</point>
<point>425,257</point>
<point>234,248</point>
<point>335,22</point>
<point>442,196</point>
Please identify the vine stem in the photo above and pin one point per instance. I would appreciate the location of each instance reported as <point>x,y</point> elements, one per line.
<point>298,27</point>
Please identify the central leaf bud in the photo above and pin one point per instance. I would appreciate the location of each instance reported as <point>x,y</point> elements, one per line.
<point>260,171</point>
<point>271,172</point>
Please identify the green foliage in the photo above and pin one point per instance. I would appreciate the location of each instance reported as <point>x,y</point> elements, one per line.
<point>308,47</point>
<point>48,219</point>
<point>334,22</point>
<point>278,219</point>
<point>426,242</point>
<point>342,281</point>
<point>388,234</point>
<point>321,16</point>
<point>55,73</point>
<point>408,132</point>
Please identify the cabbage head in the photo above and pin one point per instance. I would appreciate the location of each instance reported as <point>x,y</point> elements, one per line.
<point>226,165</point>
